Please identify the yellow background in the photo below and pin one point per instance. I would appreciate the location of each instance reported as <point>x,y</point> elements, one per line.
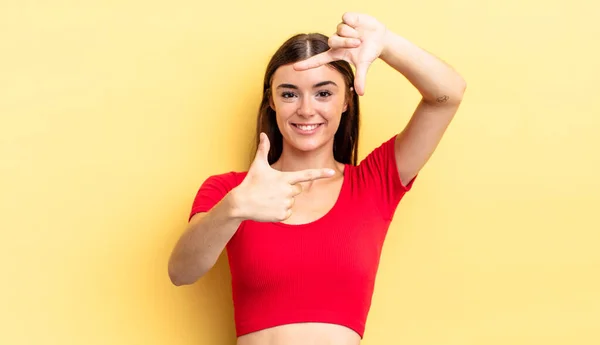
<point>113,113</point>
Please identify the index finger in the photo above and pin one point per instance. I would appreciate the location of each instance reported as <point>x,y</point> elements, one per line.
<point>314,61</point>
<point>308,175</point>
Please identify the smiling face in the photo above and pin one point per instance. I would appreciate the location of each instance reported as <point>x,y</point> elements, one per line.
<point>308,106</point>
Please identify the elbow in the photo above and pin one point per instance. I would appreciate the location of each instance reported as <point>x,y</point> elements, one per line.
<point>461,88</point>
<point>456,96</point>
<point>456,90</point>
<point>178,280</point>
<point>180,276</point>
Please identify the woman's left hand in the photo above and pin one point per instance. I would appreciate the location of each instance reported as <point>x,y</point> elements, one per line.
<point>359,40</point>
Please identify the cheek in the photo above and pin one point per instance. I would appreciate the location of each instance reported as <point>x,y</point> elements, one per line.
<point>284,112</point>
<point>334,111</point>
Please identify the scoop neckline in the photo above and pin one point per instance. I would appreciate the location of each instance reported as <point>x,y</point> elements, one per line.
<point>329,213</point>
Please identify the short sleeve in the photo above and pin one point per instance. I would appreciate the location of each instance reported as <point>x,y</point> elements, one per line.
<point>213,190</point>
<point>379,173</point>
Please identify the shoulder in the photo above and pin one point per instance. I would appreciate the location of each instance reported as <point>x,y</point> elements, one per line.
<point>380,160</point>
<point>228,180</point>
<point>384,152</point>
<point>376,178</point>
<point>214,188</point>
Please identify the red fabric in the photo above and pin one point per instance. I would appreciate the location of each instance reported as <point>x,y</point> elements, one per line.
<point>323,271</point>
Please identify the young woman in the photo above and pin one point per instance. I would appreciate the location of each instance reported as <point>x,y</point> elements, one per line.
<point>304,226</point>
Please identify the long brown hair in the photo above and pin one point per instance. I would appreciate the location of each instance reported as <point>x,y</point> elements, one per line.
<point>296,48</point>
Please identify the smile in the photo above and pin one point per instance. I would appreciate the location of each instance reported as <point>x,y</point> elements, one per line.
<point>307,127</point>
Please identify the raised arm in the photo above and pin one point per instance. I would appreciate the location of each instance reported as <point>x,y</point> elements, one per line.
<point>442,90</point>
<point>361,39</point>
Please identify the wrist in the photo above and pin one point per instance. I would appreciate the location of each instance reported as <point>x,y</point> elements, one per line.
<point>391,44</point>
<point>387,43</point>
<point>234,202</point>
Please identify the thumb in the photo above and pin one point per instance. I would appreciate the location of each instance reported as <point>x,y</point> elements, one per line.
<point>262,151</point>
<point>361,77</point>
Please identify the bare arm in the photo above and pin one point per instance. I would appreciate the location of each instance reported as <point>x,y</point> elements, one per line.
<point>265,195</point>
<point>203,241</point>
<point>442,89</point>
<point>360,39</point>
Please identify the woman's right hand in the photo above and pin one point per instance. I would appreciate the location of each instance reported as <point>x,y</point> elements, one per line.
<point>266,194</point>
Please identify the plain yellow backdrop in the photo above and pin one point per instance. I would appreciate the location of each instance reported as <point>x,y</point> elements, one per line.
<point>114,112</point>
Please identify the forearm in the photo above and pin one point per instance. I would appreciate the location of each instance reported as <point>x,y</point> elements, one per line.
<point>437,82</point>
<point>203,241</point>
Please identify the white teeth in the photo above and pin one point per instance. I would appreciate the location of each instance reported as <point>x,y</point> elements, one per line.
<point>307,128</point>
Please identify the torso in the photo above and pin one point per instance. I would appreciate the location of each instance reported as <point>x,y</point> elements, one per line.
<point>302,334</point>
<point>316,200</point>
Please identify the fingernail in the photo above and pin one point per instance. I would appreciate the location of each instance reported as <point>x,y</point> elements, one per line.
<point>330,171</point>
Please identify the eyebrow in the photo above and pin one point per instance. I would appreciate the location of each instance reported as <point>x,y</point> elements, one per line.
<point>292,86</point>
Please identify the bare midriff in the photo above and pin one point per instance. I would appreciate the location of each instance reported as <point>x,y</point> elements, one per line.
<point>302,334</point>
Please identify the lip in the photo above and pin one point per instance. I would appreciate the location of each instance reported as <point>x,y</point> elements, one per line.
<point>306,132</point>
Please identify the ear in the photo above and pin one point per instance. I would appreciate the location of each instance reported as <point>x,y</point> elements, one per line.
<point>271,104</point>
<point>346,101</point>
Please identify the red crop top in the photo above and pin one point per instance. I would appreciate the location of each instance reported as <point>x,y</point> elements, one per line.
<point>322,271</point>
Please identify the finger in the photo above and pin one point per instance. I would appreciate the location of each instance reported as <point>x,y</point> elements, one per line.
<point>345,30</point>
<point>296,189</point>
<point>290,203</point>
<point>262,151</point>
<point>351,18</point>
<point>309,175</point>
<point>313,62</point>
<point>361,77</point>
<point>336,42</point>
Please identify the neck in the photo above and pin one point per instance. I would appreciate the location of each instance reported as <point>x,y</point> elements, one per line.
<point>294,160</point>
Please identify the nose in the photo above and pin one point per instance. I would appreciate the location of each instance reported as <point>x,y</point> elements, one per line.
<point>305,107</point>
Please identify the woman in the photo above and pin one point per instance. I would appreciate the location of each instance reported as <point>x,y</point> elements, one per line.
<point>304,226</point>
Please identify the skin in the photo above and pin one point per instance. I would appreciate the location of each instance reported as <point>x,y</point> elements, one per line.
<point>296,100</point>
<point>307,171</point>
<point>313,96</point>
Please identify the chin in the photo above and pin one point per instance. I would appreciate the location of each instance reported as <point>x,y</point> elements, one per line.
<point>307,144</point>
<point>306,138</point>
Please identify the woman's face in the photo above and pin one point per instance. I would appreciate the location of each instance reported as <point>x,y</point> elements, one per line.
<point>309,105</point>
